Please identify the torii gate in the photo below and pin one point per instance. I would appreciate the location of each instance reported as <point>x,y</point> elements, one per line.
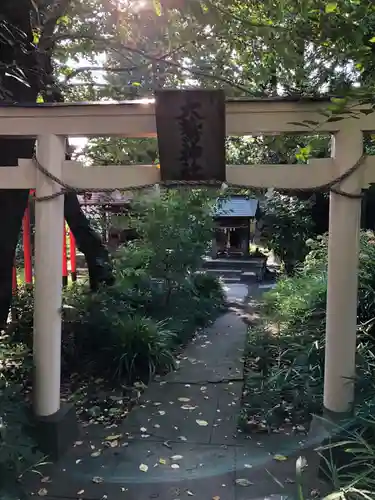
<point>51,124</point>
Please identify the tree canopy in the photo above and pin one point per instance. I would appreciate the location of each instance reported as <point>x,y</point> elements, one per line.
<point>125,48</point>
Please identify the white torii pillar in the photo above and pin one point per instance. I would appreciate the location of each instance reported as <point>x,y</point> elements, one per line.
<point>56,422</point>
<point>343,250</point>
<point>49,221</point>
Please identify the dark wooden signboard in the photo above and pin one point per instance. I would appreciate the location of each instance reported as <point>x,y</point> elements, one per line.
<point>191,134</point>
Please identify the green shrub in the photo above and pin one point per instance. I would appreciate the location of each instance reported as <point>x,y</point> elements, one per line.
<point>97,325</point>
<point>156,304</point>
<point>298,299</point>
<point>111,335</point>
<point>140,345</point>
<point>288,224</point>
<point>285,355</point>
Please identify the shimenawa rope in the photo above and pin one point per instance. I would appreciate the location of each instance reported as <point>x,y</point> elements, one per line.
<point>66,188</point>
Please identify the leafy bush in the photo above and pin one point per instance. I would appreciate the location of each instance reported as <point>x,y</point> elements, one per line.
<point>175,232</point>
<point>297,299</point>
<point>114,342</point>
<point>130,329</point>
<point>287,225</point>
<point>285,354</point>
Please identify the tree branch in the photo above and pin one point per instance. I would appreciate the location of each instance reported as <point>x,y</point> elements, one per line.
<point>247,21</point>
<point>115,69</point>
<point>150,57</point>
<point>45,48</point>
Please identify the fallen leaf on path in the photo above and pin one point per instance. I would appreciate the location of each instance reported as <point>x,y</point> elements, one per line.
<point>188,407</point>
<point>182,438</point>
<point>80,492</point>
<point>243,482</point>
<point>167,445</point>
<point>248,466</point>
<point>97,480</point>
<point>175,466</point>
<point>78,443</point>
<point>143,429</point>
<point>157,426</point>
<point>202,423</point>
<point>143,467</point>
<point>112,438</point>
<point>45,479</point>
<point>184,400</point>
<point>42,492</point>
<point>177,457</point>
<point>161,412</point>
<point>162,461</point>
<point>215,498</point>
<point>79,460</point>
<point>96,454</point>
<point>280,458</point>
<point>189,493</point>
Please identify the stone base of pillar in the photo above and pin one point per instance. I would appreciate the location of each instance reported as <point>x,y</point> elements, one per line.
<point>327,432</point>
<point>56,433</point>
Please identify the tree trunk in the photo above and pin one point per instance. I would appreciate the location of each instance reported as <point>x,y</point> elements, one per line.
<point>89,243</point>
<point>16,48</point>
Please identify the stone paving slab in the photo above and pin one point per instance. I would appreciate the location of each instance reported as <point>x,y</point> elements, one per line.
<point>215,355</point>
<point>225,426</point>
<point>203,472</point>
<point>175,411</point>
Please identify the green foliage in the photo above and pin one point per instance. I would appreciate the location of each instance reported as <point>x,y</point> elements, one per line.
<point>129,330</point>
<point>178,229</point>
<point>354,479</point>
<point>285,357</point>
<point>287,225</point>
<point>111,151</point>
<point>112,337</point>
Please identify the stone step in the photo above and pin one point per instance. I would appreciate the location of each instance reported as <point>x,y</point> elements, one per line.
<point>241,265</point>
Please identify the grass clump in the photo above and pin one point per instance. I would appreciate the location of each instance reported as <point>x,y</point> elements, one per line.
<point>285,352</point>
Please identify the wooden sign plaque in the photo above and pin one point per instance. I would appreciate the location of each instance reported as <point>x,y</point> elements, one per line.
<point>191,134</point>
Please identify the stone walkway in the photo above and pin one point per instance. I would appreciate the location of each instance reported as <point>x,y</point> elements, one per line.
<point>182,439</point>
